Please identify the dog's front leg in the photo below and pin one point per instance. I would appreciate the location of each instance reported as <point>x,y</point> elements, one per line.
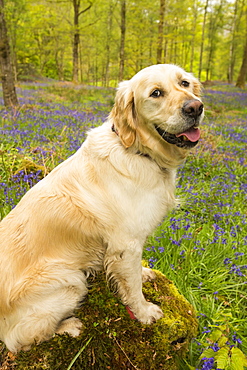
<point>124,269</point>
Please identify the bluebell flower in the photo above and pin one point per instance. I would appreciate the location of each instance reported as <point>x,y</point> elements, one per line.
<point>215,347</point>
<point>206,330</point>
<point>152,261</point>
<point>227,261</point>
<point>208,363</point>
<point>235,339</point>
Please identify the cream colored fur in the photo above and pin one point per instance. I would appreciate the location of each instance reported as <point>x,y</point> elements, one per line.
<point>93,212</point>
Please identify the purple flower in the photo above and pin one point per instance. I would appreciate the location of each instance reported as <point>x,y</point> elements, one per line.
<point>215,347</point>
<point>186,227</point>
<point>235,339</point>
<point>238,254</point>
<point>208,363</point>
<point>206,330</point>
<point>236,270</point>
<point>152,261</point>
<point>176,242</point>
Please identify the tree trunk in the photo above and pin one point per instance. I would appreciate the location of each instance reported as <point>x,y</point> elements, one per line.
<point>160,31</point>
<point>203,37</point>
<point>108,44</point>
<point>122,40</point>
<point>59,64</point>
<point>193,39</point>
<point>9,92</point>
<point>76,37</point>
<point>243,70</point>
<point>166,51</point>
<point>76,41</point>
<point>232,44</point>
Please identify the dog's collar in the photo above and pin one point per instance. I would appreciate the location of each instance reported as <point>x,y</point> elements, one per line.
<point>114,129</point>
<point>138,151</point>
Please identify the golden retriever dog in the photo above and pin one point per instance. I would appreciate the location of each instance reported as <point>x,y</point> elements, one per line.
<point>95,210</point>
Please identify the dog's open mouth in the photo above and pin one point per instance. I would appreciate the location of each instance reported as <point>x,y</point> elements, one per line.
<point>187,139</point>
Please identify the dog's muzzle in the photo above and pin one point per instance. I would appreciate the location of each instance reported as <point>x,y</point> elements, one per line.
<point>192,111</point>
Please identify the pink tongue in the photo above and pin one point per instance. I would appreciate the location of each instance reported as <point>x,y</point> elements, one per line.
<point>193,134</point>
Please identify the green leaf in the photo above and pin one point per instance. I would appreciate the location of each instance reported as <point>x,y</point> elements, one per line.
<point>79,353</point>
<point>191,367</point>
<point>238,359</point>
<point>215,335</point>
<point>208,353</point>
<point>222,357</point>
<point>222,341</point>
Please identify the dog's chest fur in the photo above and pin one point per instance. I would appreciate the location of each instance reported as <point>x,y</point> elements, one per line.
<point>132,186</point>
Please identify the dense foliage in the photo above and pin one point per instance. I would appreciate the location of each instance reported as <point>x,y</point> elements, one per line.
<point>206,37</point>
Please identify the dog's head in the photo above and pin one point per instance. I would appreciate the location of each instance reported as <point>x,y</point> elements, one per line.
<point>159,111</point>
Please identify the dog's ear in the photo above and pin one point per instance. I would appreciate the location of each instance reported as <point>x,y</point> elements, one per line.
<point>123,114</point>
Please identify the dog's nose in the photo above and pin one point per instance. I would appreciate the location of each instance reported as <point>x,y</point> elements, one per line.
<point>193,108</point>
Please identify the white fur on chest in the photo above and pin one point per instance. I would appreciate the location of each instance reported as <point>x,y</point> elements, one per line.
<point>140,208</point>
<point>131,186</point>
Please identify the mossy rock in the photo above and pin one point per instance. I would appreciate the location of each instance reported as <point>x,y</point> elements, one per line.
<point>111,339</point>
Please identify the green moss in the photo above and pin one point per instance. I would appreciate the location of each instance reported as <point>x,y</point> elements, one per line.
<point>117,341</point>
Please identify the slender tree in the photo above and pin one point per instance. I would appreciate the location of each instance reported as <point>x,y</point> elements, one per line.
<point>243,70</point>
<point>193,32</point>
<point>203,38</point>
<point>108,42</point>
<point>122,39</point>
<point>160,31</point>
<point>76,36</point>
<point>233,32</point>
<point>215,23</point>
<point>9,92</point>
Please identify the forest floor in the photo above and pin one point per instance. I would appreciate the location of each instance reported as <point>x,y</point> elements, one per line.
<point>202,245</point>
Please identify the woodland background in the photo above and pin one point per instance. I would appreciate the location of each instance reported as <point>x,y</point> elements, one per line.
<point>100,42</point>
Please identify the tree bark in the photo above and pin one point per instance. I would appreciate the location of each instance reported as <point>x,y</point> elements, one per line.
<point>76,41</point>
<point>193,40</point>
<point>122,40</point>
<point>76,37</point>
<point>203,37</point>
<point>214,24</point>
<point>232,44</point>
<point>243,70</point>
<point>160,31</point>
<point>7,74</point>
<point>108,43</point>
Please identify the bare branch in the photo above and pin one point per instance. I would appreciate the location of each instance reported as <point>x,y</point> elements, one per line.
<point>86,9</point>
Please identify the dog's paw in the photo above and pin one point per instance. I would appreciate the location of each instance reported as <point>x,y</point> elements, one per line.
<point>72,326</point>
<point>149,313</point>
<point>147,274</point>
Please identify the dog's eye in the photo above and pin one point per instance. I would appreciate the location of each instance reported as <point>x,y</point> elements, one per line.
<point>185,83</point>
<point>157,93</point>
